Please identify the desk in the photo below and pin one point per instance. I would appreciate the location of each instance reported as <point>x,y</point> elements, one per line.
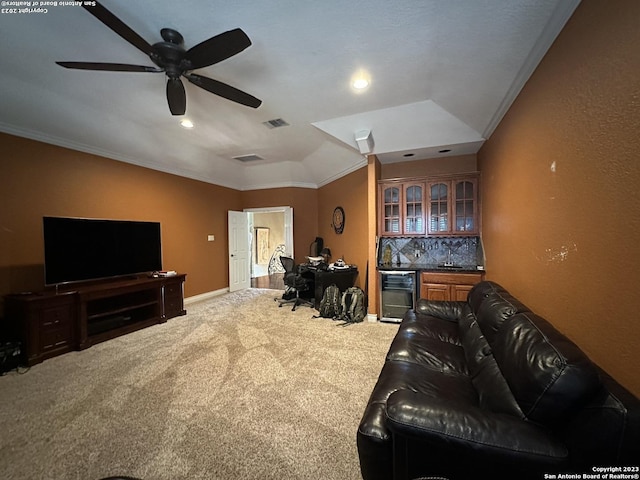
<point>323,278</point>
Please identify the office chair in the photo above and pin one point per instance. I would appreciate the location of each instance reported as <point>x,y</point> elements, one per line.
<point>294,283</point>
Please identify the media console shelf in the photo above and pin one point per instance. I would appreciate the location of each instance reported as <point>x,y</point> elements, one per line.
<point>52,323</point>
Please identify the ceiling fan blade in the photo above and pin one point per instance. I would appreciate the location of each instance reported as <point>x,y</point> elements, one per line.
<point>118,26</point>
<point>224,90</point>
<point>217,48</point>
<point>109,67</point>
<point>176,96</point>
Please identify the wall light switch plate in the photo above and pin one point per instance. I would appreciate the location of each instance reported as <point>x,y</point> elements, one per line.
<point>211,238</point>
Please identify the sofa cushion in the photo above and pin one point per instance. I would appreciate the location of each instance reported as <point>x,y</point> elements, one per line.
<point>492,305</point>
<point>409,376</point>
<point>373,437</point>
<point>547,373</point>
<point>466,428</point>
<point>446,310</point>
<point>493,391</point>
<point>430,326</point>
<point>428,352</point>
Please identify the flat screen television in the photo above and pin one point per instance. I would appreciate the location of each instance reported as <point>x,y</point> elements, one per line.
<point>80,249</point>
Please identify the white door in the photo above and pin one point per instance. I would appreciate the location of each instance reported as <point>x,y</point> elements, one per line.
<point>288,230</point>
<point>239,253</point>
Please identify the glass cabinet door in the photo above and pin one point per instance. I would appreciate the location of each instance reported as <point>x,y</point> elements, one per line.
<point>439,207</point>
<point>465,206</point>
<point>391,210</point>
<point>414,209</point>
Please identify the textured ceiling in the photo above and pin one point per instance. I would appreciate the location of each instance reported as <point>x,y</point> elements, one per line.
<point>442,73</point>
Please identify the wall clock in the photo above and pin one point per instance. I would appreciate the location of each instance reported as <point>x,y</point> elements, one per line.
<point>338,220</point>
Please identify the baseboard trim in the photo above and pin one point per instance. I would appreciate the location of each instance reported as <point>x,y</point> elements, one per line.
<point>205,296</point>
<point>372,317</point>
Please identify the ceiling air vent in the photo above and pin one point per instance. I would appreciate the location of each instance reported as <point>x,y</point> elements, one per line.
<point>275,123</point>
<point>252,157</point>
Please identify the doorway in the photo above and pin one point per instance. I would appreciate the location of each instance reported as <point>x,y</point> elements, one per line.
<point>271,231</point>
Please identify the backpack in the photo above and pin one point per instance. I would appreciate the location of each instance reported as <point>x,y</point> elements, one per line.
<point>352,307</point>
<point>330,303</point>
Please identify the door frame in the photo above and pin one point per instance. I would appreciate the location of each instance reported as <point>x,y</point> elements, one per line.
<point>288,224</point>
<point>288,240</point>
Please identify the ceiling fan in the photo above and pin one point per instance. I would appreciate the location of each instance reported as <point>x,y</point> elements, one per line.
<point>172,59</point>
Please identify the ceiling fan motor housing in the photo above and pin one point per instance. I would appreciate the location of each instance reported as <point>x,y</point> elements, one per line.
<point>169,55</point>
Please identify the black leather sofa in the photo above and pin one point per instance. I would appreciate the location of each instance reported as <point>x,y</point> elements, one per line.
<point>488,389</point>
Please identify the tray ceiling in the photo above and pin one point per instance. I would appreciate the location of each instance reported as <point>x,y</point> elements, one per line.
<point>442,76</point>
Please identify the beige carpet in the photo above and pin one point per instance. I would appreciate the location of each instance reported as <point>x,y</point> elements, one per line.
<point>237,389</point>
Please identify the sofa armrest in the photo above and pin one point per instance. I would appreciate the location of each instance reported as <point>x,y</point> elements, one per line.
<point>470,429</point>
<point>444,310</point>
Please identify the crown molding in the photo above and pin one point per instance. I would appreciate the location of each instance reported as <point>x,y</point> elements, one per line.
<point>559,18</point>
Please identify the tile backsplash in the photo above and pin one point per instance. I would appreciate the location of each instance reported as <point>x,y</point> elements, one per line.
<point>421,252</point>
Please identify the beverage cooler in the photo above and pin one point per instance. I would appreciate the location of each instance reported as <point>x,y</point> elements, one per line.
<point>397,294</point>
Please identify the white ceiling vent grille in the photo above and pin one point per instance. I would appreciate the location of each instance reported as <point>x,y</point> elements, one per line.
<point>252,157</point>
<point>275,123</point>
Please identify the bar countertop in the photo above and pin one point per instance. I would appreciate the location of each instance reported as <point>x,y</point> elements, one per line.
<point>431,268</point>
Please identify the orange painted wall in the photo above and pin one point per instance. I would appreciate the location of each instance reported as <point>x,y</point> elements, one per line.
<point>41,179</point>
<point>349,192</point>
<point>561,188</point>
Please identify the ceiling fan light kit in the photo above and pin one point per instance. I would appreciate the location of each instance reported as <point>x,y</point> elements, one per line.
<point>172,59</point>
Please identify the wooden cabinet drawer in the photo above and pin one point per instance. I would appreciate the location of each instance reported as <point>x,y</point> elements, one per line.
<point>44,323</point>
<point>447,286</point>
<point>53,339</point>
<point>173,289</point>
<point>451,278</point>
<point>173,309</point>
<point>52,317</point>
<point>56,328</point>
<point>173,299</point>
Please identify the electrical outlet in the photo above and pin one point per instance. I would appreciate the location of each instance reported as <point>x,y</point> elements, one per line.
<point>211,238</point>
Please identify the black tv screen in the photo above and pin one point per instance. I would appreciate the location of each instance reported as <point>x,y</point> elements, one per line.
<point>77,249</point>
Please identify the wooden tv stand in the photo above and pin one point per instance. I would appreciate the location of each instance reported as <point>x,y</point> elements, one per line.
<point>51,323</point>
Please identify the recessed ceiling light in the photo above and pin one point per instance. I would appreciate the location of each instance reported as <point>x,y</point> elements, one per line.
<point>360,83</point>
<point>186,123</point>
<point>360,80</point>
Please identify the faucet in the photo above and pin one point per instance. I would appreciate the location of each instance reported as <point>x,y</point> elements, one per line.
<point>449,262</point>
